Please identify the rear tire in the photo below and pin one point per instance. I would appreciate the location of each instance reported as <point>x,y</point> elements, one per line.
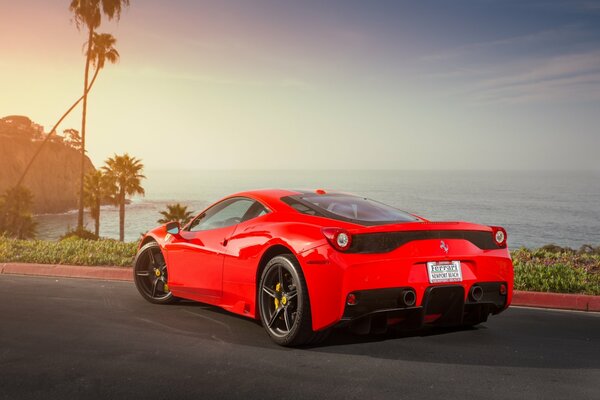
<point>284,305</point>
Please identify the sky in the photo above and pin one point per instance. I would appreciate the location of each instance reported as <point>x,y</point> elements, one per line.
<point>281,84</point>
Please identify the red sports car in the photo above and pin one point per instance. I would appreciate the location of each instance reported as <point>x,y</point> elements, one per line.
<point>304,262</point>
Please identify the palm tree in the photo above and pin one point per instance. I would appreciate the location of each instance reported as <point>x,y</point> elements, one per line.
<point>89,13</point>
<point>102,50</point>
<point>126,171</point>
<point>176,212</point>
<point>98,188</point>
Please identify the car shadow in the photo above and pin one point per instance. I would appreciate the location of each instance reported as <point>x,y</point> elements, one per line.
<point>515,338</point>
<point>344,336</point>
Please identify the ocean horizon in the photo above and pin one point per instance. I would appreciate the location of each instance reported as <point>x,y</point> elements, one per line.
<point>536,207</point>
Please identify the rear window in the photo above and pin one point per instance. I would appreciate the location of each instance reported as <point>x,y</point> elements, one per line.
<point>348,208</point>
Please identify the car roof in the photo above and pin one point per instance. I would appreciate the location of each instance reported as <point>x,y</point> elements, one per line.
<point>272,197</point>
<point>269,197</point>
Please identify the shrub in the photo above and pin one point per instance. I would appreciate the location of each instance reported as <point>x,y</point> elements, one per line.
<point>73,251</point>
<point>80,234</point>
<point>549,270</point>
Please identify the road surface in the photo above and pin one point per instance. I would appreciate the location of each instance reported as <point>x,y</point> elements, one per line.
<point>83,339</point>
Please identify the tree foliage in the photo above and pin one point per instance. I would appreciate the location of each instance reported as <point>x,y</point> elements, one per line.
<point>16,219</point>
<point>176,212</point>
<point>72,138</point>
<point>103,50</point>
<point>89,13</point>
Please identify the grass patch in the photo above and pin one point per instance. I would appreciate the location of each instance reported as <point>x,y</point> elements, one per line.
<point>549,269</point>
<point>71,251</point>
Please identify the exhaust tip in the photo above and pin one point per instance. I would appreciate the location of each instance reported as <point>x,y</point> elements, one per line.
<point>409,298</point>
<point>476,293</point>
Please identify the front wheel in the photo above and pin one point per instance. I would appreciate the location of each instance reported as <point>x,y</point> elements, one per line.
<point>150,275</point>
<point>284,303</point>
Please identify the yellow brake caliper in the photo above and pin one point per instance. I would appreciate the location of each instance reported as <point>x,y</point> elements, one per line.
<point>158,274</point>
<point>277,290</point>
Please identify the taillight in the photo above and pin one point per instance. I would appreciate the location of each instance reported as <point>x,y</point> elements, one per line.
<point>503,289</point>
<point>500,236</point>
<point>351,299</point>
<point>339,238</point>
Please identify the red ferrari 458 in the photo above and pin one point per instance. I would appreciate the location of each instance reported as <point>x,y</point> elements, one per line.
<point>305,262</point>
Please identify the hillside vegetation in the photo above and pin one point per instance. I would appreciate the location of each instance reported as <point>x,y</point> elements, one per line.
<point>54,176</point>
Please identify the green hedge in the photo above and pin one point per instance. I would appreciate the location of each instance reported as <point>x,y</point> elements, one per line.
<point>559,271</point>
<point>72,251</point>
<point>549,269</point>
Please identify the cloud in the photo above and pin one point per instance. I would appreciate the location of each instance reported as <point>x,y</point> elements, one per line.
<point>571,32</point>
<point>565,77</point>
<point>561,64</point>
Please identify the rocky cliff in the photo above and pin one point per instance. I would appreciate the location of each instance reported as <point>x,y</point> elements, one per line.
<point>53,178</point>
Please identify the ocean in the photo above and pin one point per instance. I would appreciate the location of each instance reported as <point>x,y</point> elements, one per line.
<point>536,208</point>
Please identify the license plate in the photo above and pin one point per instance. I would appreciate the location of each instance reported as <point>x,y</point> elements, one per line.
<point>445,271</point>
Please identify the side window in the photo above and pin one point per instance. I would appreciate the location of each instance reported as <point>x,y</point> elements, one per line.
<point>227,213</point>
<point>257,210</point>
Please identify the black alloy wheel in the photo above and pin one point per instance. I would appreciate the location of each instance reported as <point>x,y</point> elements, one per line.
<point>150,274</point>
<point>284,305</point>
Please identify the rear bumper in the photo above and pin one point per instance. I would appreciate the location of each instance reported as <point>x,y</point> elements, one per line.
<point>331,276</point>
<point>445,305</point>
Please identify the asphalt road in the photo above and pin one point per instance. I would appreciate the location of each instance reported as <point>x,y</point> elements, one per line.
<point>81,339</point>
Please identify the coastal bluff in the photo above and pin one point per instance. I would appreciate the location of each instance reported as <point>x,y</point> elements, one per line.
<point>54,176</point>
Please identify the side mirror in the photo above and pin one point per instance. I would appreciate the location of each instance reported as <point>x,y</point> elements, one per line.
<point>173,228</point>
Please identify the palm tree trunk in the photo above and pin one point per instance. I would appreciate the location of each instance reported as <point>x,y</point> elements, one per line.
<point>122,216</point>
<point>83,117</point>
<point>38,151</point>
<point>97,221</point>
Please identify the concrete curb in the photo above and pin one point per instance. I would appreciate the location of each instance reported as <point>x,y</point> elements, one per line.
<point>68,271</point>
<point>578,302</point>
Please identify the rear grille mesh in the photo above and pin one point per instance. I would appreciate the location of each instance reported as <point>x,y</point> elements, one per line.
<point>383,242</point>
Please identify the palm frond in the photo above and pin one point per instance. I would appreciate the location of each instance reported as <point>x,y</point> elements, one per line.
<point>176,212</point>
<point>89,12</point>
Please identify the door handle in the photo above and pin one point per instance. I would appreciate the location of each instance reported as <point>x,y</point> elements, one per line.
<point>224,242</point>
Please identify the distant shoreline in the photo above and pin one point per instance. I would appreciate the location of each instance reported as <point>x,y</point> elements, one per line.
<point>535,209</point>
